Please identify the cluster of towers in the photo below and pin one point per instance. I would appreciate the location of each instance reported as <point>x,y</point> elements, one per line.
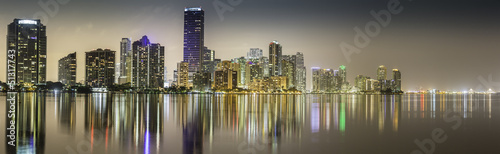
<point>334,81</point>
<point>202,72</point>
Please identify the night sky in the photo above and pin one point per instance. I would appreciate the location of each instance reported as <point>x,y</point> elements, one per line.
<point>446,44</point>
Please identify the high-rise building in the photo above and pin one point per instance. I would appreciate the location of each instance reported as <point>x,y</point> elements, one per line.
<point>288,69</point>
<point>316,79</point>
<point>396,79</point>
<point>343,75</point>
<point>226,78</point>
<point>264,65</point>
<point>148,64</point>
<point>67,70</point>
<point>381,73</point>
<point>26,52</point>
<point>208,60</point>
<point>125,60</point>
<point>183,74</point>
<point>300,72</point>
<point>275,53</point>
<point>194,34</point>
<point>242,61</point>
<point>254,54</point>
<point>100,68</point>
<point>360,82</point>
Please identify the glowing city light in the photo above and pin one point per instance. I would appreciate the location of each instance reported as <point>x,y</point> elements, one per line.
<point>28,22</point>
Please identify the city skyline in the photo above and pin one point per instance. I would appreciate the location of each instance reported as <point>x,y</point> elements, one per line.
<point>427,53</point>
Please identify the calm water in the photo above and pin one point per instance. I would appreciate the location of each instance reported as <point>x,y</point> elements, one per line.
<point>247,124</point>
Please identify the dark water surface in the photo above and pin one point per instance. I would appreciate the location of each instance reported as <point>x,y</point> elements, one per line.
<point>247,124</point>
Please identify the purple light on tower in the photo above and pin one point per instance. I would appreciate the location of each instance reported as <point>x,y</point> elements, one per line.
<point>194,35</point>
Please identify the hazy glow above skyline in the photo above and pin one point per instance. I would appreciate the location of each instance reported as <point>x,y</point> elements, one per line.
<point>446,45</point>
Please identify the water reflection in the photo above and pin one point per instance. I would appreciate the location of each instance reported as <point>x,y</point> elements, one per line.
<point>29,121</point>
<point>137,123</point>
<point>133,122</point>
<point>66,112</point>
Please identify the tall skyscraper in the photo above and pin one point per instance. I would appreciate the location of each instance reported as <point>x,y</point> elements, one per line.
<point>148,64</point>
<point>67,70</point>
<point>100,68</point>
<point>242,61</point>
<point>26,52</point>
<point>316,79</point>
<point>343,75</point>
<point>382,73</point>
<point>275,54</point>
<point>288,69</point>
<point>396,79</point>
<point>194,35</point>
<point>300,72</point>
<point>125,55</point>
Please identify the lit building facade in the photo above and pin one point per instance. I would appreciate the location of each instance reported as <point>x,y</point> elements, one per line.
<point>300,72</point>
<point>225,77</point>
<point>100,68</point>
<point>254,54</point>
<point>275,53</point>
<point>26,52</point>
<point>125,60</point>
<point>396,80</point>
<point>381,73</point>
<point>148,64</point>
<point>183,74</point>
<point>67,70</point>
<point>194,37</point>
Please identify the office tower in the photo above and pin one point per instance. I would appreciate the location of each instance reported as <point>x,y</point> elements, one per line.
<point>208,54</point>
<point>382,73</point>
<point>208,60</point>
<point>125,59</point>
<point>343,75</point>
<point>183,74</point>
<point>100,68</point>
<point>288,69</point>
<point>67,69</point>
<point>26,52</point>
<point>225,77</point>
<point>360,82</point>
<point>337,80</point>
<point>275,54</point>
<point>396,79</point>
<point>254,71</point>
<point>254,54</point>
<point>194,31</point>
<point>328,81</point>
<point>148,64</point>
<point>264,64</point>
<point>241,71</point>
<point>300,72</point>
<point>316,79</point>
